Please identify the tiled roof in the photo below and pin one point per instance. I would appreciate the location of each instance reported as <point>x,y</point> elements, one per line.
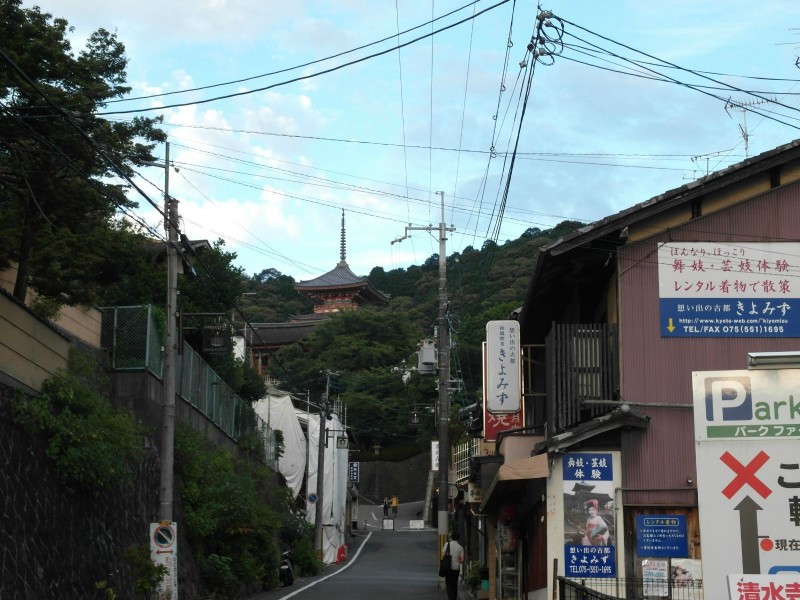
<point>271,334</point>
<point>340,276</point>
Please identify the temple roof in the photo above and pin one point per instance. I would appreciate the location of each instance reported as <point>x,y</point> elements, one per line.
<point>281,334</point>
<point>341,275</point>
<point>342,278</point>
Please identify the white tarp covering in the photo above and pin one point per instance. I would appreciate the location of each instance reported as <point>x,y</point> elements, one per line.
<point>334,486</point>
<point>278,413</point>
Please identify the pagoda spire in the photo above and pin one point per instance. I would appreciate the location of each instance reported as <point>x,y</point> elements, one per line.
<point>343,245</point>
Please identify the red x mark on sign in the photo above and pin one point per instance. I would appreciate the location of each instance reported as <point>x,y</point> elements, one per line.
<point>746,474</point>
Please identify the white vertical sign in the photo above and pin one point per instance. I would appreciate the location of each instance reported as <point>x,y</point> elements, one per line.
<point>503,357</point>
<point>164,552</point>
<point>434,455</point>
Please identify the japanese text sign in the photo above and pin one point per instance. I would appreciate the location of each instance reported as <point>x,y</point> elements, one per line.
<point>353,472</point>
<point>589,549</point>
<point>503,358</point>
<point>724,289</point>
<point>661,536</point>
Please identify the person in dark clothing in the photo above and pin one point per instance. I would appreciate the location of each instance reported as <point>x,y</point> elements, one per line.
<point>456,560</point>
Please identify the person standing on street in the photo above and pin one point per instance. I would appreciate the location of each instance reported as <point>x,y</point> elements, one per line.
<point>385,507</point>
<point>456,560</point>
<point>395,502</point>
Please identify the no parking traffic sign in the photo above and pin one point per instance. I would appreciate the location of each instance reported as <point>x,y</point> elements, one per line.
<point>164,551</point>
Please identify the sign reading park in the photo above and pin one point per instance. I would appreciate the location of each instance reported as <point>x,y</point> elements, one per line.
<point>746,428</point>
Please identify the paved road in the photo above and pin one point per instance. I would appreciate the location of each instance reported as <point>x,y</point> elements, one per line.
<point>383,564</point>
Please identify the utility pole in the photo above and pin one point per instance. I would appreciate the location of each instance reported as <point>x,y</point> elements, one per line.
<point>168,399</point>
<point>444,372</point>
<point>166,529</point>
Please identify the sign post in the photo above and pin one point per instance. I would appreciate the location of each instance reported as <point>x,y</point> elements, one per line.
<point>164,552</point>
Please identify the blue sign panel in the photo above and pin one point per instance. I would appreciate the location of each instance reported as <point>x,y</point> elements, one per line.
<point>589,515</point>
<point>587,466</point>
<point>661,536</point>
<point>590,561</point>
<point>729,289</point>
<point>730,317</point>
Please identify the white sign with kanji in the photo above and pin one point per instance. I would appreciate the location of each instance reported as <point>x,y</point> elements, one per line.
<point>764,587</point>
<point>748,470</point>
<point>503,361</point>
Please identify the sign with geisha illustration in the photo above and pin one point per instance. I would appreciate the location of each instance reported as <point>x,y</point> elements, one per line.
<point>729,289</point>
<point>746,428</point>
<point>588,515</point>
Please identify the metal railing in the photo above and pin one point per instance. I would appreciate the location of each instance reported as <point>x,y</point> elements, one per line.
<point>133,340</point>
<point>628,589</point>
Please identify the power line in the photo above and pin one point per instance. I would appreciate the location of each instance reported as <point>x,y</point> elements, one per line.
<point>300,66</point>
<point>305,77</point>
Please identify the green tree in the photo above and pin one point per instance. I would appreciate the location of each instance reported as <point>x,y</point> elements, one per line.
<point>232,511</point>
<point>92,444</point>
<point>366,348</point>
<point>59,160</point>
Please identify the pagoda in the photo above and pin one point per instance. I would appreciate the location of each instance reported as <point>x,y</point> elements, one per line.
<point>337,290</point>
<point>340,289</point>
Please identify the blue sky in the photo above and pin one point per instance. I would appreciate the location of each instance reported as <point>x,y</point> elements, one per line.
<point>270,171</point>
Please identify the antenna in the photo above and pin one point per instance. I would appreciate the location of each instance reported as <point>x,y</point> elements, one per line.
<point>745,108</point>
<point>709,155</point>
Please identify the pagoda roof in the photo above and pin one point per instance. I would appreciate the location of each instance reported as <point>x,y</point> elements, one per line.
<point>341,277</point>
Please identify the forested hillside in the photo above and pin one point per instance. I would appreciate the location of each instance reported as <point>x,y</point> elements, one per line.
<point>368,351</point>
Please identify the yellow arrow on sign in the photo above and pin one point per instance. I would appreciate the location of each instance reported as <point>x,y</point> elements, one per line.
<point>670,326</point>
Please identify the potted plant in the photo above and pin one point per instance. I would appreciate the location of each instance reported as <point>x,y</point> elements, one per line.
<point>473,578</point>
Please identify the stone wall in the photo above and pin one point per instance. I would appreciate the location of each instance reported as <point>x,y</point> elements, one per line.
<point>408,479</point>
<point>57,542</point>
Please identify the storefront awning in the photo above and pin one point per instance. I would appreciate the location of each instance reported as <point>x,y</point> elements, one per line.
<point>533,467</point>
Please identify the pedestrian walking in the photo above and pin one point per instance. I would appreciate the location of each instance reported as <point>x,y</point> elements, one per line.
<point>456,552</point>
<point>385,507</point>
<point>395,502</point>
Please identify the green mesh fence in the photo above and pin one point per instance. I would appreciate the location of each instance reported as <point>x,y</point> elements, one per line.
<point>133,337</point>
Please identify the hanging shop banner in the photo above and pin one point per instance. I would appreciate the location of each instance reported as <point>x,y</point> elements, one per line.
<point>503,359</point>
<point>589,515</point>
<point>729,289</point>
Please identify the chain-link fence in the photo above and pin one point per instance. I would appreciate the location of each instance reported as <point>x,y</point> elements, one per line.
<point>616,588</point>
<point>133,336</point>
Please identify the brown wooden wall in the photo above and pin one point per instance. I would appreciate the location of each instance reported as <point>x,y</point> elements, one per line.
<point>657,370</point>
